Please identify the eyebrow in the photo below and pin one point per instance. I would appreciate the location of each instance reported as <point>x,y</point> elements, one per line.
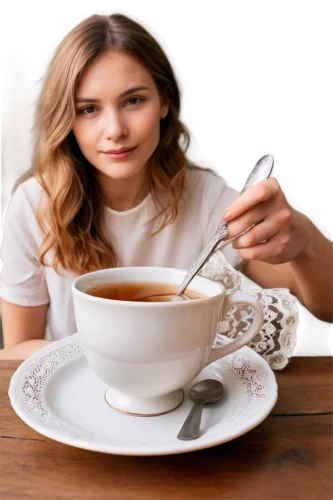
<point>123,94</point>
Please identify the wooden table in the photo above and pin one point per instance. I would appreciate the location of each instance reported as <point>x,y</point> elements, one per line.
<point>287,457</point>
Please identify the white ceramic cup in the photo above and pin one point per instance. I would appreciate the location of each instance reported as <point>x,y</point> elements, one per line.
<point>147,351</point>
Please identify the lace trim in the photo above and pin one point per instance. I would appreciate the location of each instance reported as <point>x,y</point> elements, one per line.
<point>218,268</point>
<point>277,339</point>
<point>32,394</point>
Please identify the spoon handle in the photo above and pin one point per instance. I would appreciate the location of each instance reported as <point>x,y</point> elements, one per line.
<point>261,172</point>
<point>191,426</point>
<point>220,233</point>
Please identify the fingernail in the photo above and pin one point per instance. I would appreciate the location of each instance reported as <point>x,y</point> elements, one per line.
<point>227,215</point>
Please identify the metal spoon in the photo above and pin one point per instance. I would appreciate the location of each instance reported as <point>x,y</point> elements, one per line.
<point>164,298</point>
<point>206,391</point>
<point>261,172</point>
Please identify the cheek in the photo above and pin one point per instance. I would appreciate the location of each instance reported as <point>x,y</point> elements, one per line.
<point>149,128</point>
<point>83,136</point>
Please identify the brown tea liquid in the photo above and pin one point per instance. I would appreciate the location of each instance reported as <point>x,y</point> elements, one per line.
<point>141,292</point>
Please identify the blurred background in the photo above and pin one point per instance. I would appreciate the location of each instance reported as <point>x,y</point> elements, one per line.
<point>256,77</point>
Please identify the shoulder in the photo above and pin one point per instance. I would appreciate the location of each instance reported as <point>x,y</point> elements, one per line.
<point>205,184</point>
<point>30,189</point>
<point>27,194</point>
<point>24,204</point>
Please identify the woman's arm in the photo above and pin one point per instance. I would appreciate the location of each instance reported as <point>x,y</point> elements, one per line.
<point>308,277</point>
<point>283,248</point>
<point>313,274</point>
<point>23,330</point>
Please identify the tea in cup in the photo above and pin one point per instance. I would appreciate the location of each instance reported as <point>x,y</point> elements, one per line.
<point>147,351</point>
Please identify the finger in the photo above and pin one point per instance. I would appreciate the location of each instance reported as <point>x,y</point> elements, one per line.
<point>257,235</point>
<point>246,220</point>
<point>256,194</point>
<point>270,252</point>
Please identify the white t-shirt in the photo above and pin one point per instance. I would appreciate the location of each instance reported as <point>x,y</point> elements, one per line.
<point>24,281</point>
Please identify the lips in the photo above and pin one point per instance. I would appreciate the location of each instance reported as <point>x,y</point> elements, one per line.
<point>119,154</point>
<point>118,151</point>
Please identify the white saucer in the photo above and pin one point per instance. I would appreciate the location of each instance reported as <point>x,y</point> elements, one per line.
<point>56,393</point>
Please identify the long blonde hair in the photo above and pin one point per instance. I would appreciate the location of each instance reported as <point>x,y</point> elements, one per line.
<point>72,221</point>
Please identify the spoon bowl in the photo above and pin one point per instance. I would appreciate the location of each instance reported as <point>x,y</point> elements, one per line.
<point>165,298</point>
<point>209,391</point>
<point>205,391</point>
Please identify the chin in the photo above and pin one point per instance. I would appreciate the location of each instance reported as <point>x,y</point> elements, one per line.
<point>120,171</point>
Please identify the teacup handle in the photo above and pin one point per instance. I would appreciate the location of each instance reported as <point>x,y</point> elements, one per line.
<point>229,301</point>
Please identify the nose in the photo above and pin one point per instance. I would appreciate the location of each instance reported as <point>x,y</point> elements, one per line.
<point>115,126</point>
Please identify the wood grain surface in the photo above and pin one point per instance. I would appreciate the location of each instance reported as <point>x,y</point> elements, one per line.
<point>287,457</point>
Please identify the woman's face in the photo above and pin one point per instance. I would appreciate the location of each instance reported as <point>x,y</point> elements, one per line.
<point>118,113</point>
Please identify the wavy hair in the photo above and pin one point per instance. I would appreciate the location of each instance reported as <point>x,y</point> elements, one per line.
<point>72,217</point>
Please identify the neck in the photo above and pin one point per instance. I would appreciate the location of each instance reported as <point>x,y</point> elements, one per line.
<point>123,194</point>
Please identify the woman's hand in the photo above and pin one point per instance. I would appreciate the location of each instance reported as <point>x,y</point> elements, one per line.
<point>275,233</point>
<point>279,233</point>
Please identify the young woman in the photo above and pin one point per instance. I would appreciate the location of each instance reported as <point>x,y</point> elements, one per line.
<point>111,186</point>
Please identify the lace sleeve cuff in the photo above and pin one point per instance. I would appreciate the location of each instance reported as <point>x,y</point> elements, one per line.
<point>218,268</point>
<point>277,338</point>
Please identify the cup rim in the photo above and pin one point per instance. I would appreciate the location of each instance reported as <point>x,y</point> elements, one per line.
<point>125,303</point>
